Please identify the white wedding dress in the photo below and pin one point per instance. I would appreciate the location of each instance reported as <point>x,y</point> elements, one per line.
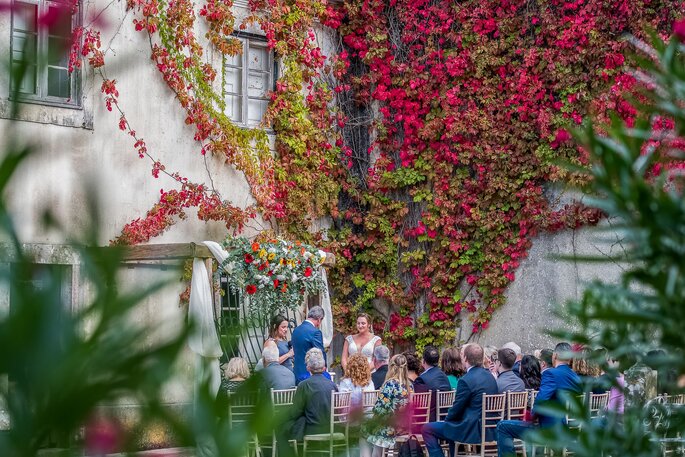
<point>367,349</point>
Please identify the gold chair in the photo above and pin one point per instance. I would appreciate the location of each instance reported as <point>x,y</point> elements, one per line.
<point>281,401</point>
<point>598,403</point>
<point>241,409</point>
<point>369,399</point>
<point>445,402</point>
<point>340,407</point>
<point>420,404</point>
<point>492,414</point>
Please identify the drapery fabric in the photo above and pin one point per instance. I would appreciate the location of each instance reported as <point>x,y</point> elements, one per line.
<point>204,340</point>
<point>325,301</point>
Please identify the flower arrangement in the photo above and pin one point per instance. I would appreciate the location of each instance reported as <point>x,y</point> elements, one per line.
<point>273,275</point>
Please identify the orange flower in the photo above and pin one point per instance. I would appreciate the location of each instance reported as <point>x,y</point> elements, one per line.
<point>255,247</point>
<point>285,287</point>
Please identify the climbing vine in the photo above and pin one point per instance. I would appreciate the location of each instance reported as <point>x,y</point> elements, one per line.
<point>430,136</point>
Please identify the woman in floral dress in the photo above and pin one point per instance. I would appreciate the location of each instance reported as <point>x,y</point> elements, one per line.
<point>381,430</point>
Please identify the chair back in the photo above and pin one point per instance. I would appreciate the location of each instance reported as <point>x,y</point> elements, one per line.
<point>421,408</point>
<point>493,413</point>
<point>445,402</point>
<point>282,398</point>
<point>598,403</point>
<point>340,408</point>
<point>369,399</point>
<point>533,396</point>
<point>673,399</point>
<point>516,405</point>
<point>241,408</point>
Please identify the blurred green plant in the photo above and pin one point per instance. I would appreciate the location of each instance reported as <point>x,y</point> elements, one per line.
<point>637,180</point>
<point>58,367</point>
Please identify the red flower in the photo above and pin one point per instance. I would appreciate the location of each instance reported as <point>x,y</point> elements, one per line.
<point>307,272</point>
<point>251,289</point>
<point>275,283</point>
<point>248,258</point>
<point>679,30</point>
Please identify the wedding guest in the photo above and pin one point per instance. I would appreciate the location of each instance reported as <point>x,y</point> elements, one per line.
<point>546,360</point>
<point>507,380</point>
<point>236,372</point>
<point>380,432</point>
<point>381,355</point>
<point>517,350</point>
<point>588,370</point>
<point>275,375</point>
<point>278,338</point>
<point>305,337</point>
<point>489,359</point>
<point>311,410</point>
<point>414,368</point>
<point>364,341</point>
<point>357,379</point>
<point>450,362</point>
<point>530,372</point>
<point>432,379</point>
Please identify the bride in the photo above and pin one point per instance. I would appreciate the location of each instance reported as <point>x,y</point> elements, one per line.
<point>364,341</point>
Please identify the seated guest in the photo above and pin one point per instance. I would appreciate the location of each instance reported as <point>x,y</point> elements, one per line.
<point>236,372</point>
<point>546,360</point>
<point>463,421</point>
<point>413,366</point>
<point>530,372</point>
<point>589,372</point>
<point>489,359</point>
<point>432,379</point>
<point>357,379</point>
<point>381,355</point>
<point>556,382</point>
<point>507,381</point>
<point>311,410</point>
<point>517,350</point>
<point>450,362</point>
<point>275,375</point>
<point>379,432</point>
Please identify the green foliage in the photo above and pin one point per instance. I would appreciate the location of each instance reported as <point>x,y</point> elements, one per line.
<point>637,180</point>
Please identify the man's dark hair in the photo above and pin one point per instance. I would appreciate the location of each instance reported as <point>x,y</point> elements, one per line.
<point>431,356</point>
<point>473,354</point>
<point>507,358</point>
<point>564,352</point>
<point>546,356</point>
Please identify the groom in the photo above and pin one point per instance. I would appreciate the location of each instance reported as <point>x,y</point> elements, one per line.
<point>306,336</point>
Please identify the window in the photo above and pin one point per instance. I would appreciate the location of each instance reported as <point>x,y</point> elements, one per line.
<point>44,49</point>
<point>249,77</point>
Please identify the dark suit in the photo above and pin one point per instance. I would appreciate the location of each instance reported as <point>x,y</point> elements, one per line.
<point>305,337</point>
<point>310,413</point>
<point>433,379</point>
<point>463,421</point>
<point>554,382</point>
<point>378,376</point>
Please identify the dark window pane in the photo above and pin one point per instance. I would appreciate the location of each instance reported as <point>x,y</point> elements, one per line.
<point>59,83</point>
<point>24,48</point>
<point>28,81</point>
<point>58,52</point>
<point>24,16</point>
<point>58,20</point>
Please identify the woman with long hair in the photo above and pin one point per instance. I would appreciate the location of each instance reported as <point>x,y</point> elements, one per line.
<point>278,336</point>
<point>530,372</point>
<point>380,431</point>
<point>450,363</point>
<point>362,342</point>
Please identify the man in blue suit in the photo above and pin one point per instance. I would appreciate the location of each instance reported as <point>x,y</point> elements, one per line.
<point>556,382</point>
<point>432,379</point>
<point>306,336</point>
<point>463,420</point>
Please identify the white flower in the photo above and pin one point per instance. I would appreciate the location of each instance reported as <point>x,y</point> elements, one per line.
<point>280,277</point>
<point>294,277</point>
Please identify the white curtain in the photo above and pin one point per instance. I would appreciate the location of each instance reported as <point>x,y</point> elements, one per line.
<point>327,324</point>
<point>203,340</point>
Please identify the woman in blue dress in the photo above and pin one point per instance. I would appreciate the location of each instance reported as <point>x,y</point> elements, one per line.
<point>278,336</point>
